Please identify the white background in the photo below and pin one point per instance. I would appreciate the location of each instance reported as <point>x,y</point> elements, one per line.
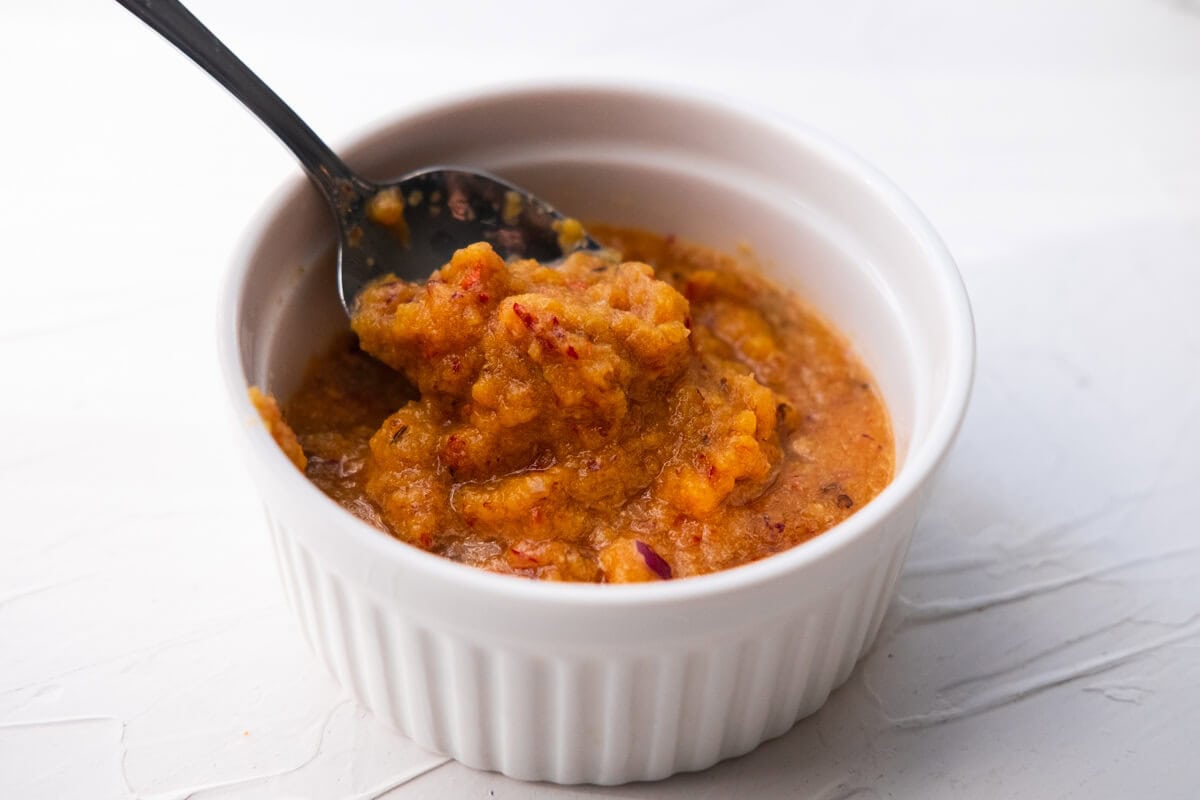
<point>1046,637</point>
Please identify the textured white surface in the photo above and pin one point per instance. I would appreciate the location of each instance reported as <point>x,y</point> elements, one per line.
<point>1047,638</point>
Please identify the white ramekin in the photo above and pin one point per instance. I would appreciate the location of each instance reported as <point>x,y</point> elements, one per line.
<point>594,683</point>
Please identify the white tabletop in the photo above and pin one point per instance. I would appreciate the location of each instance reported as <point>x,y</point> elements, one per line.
<point>1046,637</point>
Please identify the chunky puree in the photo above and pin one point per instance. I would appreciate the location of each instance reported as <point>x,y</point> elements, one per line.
<point>667,416</point>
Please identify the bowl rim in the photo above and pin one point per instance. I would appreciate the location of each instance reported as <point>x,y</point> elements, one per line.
<point>920,463</point>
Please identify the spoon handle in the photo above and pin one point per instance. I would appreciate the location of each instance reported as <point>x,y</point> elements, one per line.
<point>179,27</point>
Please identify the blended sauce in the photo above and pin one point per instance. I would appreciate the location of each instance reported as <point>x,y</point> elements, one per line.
<point>666,416</point>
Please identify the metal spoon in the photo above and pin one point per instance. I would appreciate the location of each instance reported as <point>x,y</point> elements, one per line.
<point>408,227</point>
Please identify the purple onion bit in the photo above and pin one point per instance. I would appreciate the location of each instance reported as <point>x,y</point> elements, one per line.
<point>653,560</point>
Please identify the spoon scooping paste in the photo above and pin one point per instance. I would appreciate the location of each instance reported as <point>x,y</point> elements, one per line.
<point>406,228</point>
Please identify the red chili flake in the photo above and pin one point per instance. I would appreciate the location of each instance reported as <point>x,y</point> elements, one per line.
<point>483,297</point>
<point>868,436</point>
<point>554,321</point>
<point>471,279</point>
<point>653,560</point>
<point>571,352</point>
<point>454,453</point>
<point>779,526</point>
<point>593,465</point>
<point>844,501</point>
<point>526,317</point>
<point>524,559</point>
<point>455,364</point>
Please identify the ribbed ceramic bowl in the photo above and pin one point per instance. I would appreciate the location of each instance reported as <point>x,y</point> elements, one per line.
<point>596,683</point>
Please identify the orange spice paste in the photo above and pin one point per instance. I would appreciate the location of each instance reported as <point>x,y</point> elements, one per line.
<point>670,415</point>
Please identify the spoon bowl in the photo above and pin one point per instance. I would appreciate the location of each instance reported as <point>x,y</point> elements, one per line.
<point>405,228</point>
<point>412,225</point>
